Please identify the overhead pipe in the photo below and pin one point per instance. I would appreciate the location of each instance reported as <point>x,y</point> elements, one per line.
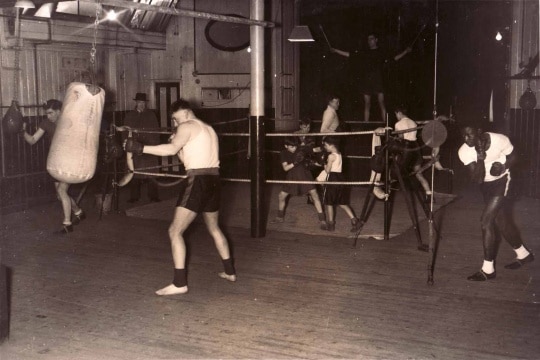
<point>180,12</point>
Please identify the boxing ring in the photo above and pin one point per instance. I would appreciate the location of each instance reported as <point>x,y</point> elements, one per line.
<point>300,216</point>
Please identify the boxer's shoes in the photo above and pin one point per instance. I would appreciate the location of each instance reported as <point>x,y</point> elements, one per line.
<point>66,229</point>
<point>483,276</point>
<point>520,262</point>
<point>356,225</point>
<point>75,220</point>
<point>228,277</point>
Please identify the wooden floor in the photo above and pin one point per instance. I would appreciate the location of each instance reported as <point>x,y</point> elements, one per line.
<point>90,295</point>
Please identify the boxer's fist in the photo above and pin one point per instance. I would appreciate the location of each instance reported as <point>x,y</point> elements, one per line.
<point>299,157</point>
<point>497,169</point>
<point>133,146</point>
<point>480,150</point>
<point>324,157</point>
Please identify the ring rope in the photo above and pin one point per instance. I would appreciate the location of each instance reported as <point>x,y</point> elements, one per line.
<point>157,166</point>
<point>347,122</point>
<point>233,153</point>
<point>321,134</point>
<point>302,134</point>
<point>153,131</point>
<point>344,156</point>
<point>234,134</point>
<point>267,181</point>
<point>229,122</point>
<point>124,128</point>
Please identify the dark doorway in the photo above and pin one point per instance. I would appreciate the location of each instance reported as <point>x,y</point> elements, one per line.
<point>166,94</point>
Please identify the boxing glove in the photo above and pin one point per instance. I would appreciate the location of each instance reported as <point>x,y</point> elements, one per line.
<point>497,169</point>
<point>134,147</point>
<point>480,150</point>
<point>299,158</point>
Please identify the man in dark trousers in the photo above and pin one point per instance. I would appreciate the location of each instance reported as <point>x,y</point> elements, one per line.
<point>368,70</point>
<point>489,158</point>
<point>143,118</point>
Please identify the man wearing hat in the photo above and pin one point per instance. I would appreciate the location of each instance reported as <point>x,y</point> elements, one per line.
<point>143,118</point>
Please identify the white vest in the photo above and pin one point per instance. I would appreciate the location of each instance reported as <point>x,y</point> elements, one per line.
<point>202,151</point>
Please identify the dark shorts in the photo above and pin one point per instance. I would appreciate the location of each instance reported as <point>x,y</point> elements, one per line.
<point>495,188</point>
<point>200,192</point>
<point>411,156</point>
<point>336,194</point>
<point>372,84</point>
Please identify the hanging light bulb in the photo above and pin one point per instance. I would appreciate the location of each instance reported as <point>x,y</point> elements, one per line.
<point>112,15</point>
<point>498,37</point>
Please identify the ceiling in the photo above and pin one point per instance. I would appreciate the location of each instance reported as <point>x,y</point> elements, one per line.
<point>84,11</point>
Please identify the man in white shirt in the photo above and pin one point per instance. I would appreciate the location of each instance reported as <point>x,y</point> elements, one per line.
<point>330,119</point>
<point>489,157</point>
<point>412,156</point>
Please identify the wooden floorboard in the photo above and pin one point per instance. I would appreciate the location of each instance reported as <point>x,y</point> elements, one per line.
<point>90,295</point>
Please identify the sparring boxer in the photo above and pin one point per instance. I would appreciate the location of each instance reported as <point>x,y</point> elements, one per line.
<point>412,156</point>
<point>489,158</point>
<point>308,145</point>
<point>53,109</point>
<point>196,145</point>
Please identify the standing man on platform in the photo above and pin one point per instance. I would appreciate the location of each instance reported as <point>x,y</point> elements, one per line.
<point>489,158</point>
<point>197,146</point>
<point>143,118</point>
<point>368,67</point>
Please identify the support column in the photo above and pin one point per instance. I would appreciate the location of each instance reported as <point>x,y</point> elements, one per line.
<point>4,299</point>
<point>257,135</point>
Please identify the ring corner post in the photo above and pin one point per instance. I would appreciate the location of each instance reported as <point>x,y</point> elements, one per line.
<point>386,183</point>
<point>257,176</point>
<point>257,134</point>
<point>4,300</point>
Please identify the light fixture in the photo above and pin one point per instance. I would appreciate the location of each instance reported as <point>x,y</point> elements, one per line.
<point>498,37</point>
<point>112,15</point>
<point>300,33</point>
<point>45,10</point>
<point>24,4</point>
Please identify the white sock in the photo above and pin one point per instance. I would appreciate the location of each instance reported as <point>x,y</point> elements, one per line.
<point>521,252</point>
<point>429,192</point>
<point>78,212</point>
<point>488,267</point>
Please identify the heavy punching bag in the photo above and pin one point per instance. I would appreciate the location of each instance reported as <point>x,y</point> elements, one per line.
<point>73,154</point>
<point>13,120</point>
<point>527,101</point>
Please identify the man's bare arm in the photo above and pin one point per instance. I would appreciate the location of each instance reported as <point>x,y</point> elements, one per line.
<point>340,52</point>
<point>180,139</point>
<point>477,171</point>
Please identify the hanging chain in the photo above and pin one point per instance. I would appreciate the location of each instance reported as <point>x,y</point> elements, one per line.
<point>16,59</point>
<point>16,71</point>
<point>94,44</point>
